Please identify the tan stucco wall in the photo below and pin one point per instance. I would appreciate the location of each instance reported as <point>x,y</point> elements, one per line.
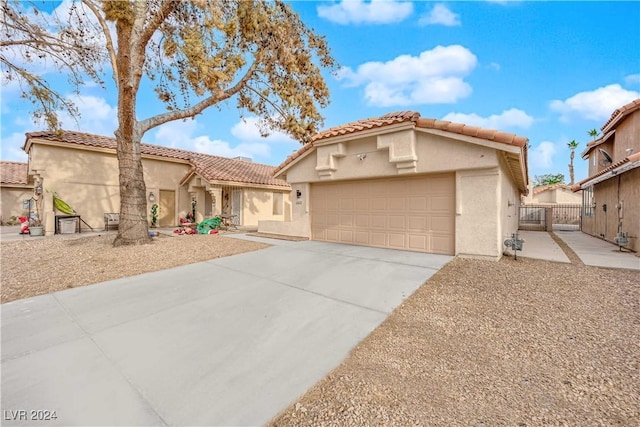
<point>297,221</point>
<point>558,195</point>
<point>509,207</point>
<point>11,198</point>
<point>257,205</point>
<point>434,154</point>
<point>477,213</point>
<point>88,181</point>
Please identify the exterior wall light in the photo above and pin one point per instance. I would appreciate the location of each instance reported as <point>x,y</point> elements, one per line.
<point>152,197</point>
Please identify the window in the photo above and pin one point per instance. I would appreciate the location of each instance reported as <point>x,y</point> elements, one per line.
<point>588,202</point>
<point>277,203</point>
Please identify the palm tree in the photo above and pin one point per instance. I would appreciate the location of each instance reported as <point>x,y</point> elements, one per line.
<point>573,144</point>
<point>593,133</point>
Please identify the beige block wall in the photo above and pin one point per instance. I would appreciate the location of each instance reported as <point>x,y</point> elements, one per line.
<point>11,198</point>
<point>88,181</point>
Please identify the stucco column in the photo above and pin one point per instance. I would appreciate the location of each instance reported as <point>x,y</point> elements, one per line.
<point>216,200</point>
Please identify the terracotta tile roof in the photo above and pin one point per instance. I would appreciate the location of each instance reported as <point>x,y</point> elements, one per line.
<point>408,116</point>
<point>365,124</point>
<point>13,173</point>
<point>208,166</point>
<point>543,188</point>
<point>633,158</point>
<point>620,114</point>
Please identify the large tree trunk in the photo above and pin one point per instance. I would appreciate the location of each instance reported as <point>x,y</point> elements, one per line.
<point>133,229</point>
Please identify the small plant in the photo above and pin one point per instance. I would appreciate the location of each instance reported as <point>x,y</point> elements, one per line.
<point>154,215</point>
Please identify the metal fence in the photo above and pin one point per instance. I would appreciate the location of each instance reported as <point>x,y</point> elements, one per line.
<point>563,217</point>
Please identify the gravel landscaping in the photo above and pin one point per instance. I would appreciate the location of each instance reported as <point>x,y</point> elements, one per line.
<point>35,266</point>
<point>481,343</point>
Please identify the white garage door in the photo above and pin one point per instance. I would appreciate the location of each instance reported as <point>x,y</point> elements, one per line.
<point>415,213</point>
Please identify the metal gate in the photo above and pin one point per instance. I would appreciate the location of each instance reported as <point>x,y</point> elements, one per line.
<point>532,217</point>
<point>563,217</point>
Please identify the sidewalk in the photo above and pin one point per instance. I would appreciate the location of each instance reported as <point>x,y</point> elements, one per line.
<point>598,252</point>
<point>591,250</point>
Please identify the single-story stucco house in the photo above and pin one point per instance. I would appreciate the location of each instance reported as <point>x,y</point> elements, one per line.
<point>15,188</point>
<point>611,193</point>
<point>83,170</point>
<point>405,182</point>
<point>552,194</point>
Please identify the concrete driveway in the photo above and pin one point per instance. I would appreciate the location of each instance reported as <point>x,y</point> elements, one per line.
<point>230,341</point>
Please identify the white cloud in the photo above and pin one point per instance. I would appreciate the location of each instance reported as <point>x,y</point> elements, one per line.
<point>594,105</point>
<point>494,66</point>
<point>96,116</point>
<point>632,79</point>
<point>541,157</point>
<point>186,135</point>
<point>12,147</point>
<point>361,12</point>
<point>433,77</point>
<point>440,15</point>
<point>513,118</point>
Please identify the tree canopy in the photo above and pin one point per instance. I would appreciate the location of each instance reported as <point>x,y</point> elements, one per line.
<point>548,179</point>
<point>197,54</point>
<point>33,41</point>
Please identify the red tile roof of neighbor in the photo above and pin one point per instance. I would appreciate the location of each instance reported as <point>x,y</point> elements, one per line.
<point>13,173</point>
<point>212,168</point>
<point>635,157</point>
<point>542,188</point>
<point>407,117</point>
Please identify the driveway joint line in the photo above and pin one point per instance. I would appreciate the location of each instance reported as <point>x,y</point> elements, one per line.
<point>278,282</point>
<point>110,360</point>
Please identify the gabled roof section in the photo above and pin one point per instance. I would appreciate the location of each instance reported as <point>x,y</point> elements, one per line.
<point>213,168</point>
<point>593,144</point>
<point>619,115</point>
<point>410,117</point>
<point>13,173</point>
<point>621,166</point>
<point>543,188</point>
<point>367,124</point>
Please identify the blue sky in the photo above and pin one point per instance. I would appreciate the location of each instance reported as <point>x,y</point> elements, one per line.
<point>549,71</point>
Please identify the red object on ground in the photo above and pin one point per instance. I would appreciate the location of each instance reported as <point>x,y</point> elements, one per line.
<point>24,224</point>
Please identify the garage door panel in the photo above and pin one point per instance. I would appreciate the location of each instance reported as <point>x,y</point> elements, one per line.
<point>411,213</point>
<point>440,203</point>
<point>417,223</point>
<point>362,221</point>
<point>378,204</point>
<point>396,222</point>
<point>397,240</point>
<point>346,220</point>
<point>441,224</point>
<point>416,203</point>
<point>346,236</point>
<point>362,238</point>
<point>418,242</point>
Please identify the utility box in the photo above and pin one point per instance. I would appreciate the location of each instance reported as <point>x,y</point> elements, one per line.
<point>68,225</point>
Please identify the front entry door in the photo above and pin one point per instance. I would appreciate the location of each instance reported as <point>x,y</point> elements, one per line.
<point>167,208</point>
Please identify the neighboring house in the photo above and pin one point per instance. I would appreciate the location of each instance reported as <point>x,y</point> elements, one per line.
<point>404,182</point>
<point>552,194</point>
<point>83,170</point>
<point>15,188</point>
<point>611,193</point>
